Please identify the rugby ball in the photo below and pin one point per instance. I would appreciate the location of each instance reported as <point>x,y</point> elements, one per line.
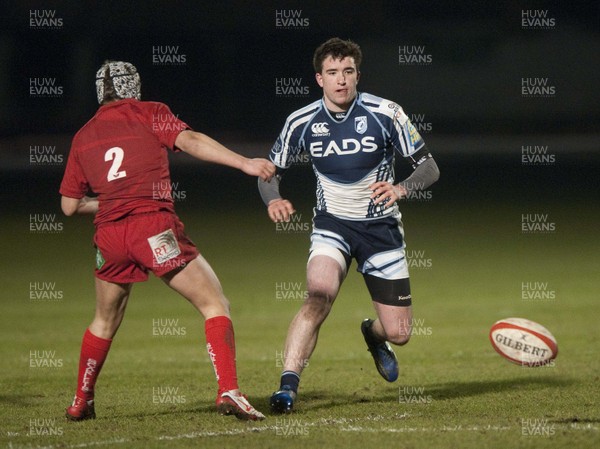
<point>523,342</point>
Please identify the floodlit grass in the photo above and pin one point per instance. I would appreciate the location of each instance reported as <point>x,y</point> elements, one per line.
<point>453,391</point>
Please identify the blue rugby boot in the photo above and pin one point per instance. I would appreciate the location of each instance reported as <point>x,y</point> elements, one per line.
<point>282,401</point>
<point>384,357</point>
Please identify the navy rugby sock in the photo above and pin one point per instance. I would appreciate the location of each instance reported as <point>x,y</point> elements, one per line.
<point>289,380</point>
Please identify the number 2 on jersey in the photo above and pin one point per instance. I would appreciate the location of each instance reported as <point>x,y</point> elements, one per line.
<point>115,154</point>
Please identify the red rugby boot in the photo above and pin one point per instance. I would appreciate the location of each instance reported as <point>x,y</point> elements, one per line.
<point>233,402</point>
<point>81,410</point>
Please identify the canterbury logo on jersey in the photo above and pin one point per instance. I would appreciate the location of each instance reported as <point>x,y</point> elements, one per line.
<point>319,129</point>
<point>349,146</point>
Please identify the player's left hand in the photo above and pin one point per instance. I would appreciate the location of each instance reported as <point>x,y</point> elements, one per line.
<point>262,168</point>
<point>386,193</point>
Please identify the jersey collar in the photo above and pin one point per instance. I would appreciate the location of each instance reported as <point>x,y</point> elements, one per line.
<point>348,112</point>
<point>113,104</point>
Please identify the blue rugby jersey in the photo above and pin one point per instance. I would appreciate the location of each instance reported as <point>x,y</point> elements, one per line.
<point>349,155</point>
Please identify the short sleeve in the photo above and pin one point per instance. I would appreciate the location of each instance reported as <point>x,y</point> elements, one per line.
<point>405,137</point>
<point>288,146</point>
<point>74,183</point>
<point>166,126</point>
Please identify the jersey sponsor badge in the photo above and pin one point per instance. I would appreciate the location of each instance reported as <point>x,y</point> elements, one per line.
<point>360,124</point>
<point>400,116</point>
<point>164,246</point>
<point>414,134</point>
<point>99,259</point>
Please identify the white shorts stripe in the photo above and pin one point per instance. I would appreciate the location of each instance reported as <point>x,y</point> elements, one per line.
<point>387,265</point>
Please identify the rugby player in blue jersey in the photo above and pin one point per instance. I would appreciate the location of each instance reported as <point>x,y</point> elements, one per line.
<point>352,139</point>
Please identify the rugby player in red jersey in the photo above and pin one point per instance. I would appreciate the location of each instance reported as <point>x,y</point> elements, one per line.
<point>121,155</point>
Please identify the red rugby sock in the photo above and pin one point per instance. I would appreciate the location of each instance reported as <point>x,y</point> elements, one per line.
<point>220,344</point>
<point>93,354</point>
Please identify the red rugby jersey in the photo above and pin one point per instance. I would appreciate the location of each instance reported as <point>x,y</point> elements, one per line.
<point>120,155</point>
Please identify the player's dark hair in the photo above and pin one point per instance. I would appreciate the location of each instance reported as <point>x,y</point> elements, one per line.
<point>337,49</point>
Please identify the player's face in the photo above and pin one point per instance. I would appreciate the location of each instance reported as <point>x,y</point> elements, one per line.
<point>338,78</point>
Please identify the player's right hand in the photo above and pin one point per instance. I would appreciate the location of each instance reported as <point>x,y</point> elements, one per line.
<point>280,210</point>
<point>262,168</point>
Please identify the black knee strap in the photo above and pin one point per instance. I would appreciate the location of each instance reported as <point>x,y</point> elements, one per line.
<point>394,292</point>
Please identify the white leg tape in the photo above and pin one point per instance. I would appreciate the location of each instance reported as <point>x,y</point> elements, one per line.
<point>329,251</point>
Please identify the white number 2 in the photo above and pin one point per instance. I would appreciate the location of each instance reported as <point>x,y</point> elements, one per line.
<point>115,154</point>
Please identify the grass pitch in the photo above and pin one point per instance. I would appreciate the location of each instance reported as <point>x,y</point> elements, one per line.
<point>157,388</point>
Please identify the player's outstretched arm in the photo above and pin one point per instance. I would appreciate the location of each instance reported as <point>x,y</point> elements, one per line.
<point>85,205</point>
<point>279,209</point>
<point>207,149</point>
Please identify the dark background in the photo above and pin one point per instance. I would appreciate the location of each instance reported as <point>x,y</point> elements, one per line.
<point>469,96</point>
<point>234,52</point>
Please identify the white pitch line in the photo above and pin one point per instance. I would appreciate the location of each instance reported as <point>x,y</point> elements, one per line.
<point>346,425</point>
<point>74,445</point>
<point>458,428</point>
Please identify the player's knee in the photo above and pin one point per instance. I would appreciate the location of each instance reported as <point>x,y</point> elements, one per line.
<point>398,336</point>
<point>399,339</point>
<point>320,295</point>
<point>323,289</point>
<point>225,303</point>
<point>317,304</point>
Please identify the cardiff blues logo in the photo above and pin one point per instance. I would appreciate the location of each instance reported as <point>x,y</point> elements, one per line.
<point>360,124</point>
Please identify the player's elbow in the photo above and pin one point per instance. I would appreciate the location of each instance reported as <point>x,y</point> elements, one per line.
<point>435,172</point>
<point>68,211</point>
<point>69,205</point>
<point>189,141</point>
